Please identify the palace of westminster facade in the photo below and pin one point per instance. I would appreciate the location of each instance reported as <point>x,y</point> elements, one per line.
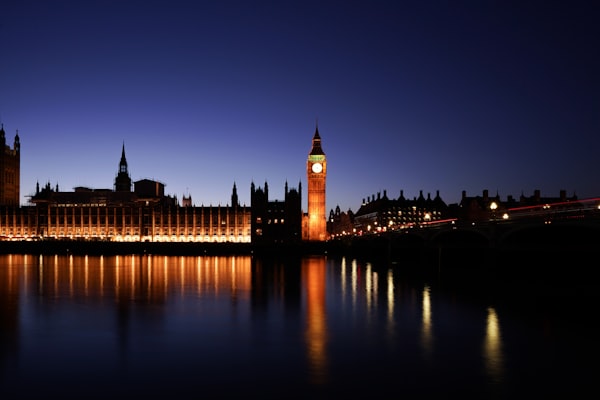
<point>146,214</point>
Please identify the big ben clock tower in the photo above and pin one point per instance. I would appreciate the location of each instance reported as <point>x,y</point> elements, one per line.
<point>316,172</point>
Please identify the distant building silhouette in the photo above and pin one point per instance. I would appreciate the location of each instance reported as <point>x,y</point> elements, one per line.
<point>479,207</point>
<point>275,221</point>
<point>382,213</point>
<point>340,222</point>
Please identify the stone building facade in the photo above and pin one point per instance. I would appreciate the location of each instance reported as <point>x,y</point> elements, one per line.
<point>142,214</point>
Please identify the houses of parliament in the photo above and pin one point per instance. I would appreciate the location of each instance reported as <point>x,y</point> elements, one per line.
<point>141,212</point>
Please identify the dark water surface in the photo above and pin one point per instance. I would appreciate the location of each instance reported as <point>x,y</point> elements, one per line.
<point>313,327</point>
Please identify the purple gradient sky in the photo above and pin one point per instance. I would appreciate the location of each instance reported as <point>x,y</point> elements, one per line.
<point>409,95</point>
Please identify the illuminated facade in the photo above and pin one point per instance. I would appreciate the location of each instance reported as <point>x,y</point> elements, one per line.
<point>381,213</point>
<point>315,226</point>
<point>144,214</point>
<point>10,168</point>
<point>141,212</point>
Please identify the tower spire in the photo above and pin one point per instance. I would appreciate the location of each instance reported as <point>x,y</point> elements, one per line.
<point>123,180</point>
<point>316,144</point>
<point>123,162</point>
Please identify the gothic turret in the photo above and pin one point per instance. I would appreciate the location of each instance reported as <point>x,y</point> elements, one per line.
<point>234,197</point>
<point>123,180</point>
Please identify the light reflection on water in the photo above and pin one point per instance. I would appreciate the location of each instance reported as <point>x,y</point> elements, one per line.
<point>426,329</point>
<point>239,325</point>
<point>314,282</point>
<point>492,351</point>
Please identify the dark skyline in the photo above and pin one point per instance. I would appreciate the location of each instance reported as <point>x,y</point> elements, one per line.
<point>409,96</point>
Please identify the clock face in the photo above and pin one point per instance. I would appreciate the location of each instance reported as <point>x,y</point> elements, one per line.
<point>317,168</point>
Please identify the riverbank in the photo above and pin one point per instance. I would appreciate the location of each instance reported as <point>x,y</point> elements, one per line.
<point>52,247</point>
<point>414,253</point>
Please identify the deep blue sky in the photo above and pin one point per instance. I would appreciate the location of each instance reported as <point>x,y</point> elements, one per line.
<point>409,95</point>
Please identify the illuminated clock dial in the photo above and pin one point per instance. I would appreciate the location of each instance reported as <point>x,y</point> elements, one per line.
<point>317,168</point>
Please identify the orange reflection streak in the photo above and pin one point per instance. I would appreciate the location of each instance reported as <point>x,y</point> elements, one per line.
<point>216,274</point>
<point>233,283</point>
<point>70,276</point>
<point>101,274</point>
<point>117,266</point>
<point>148,274</point>
<point>313,274</point>
<point>11,275</point>
<point>55,274</point>
<point>26,271</point>
<point>87,275</point>
<point>199,275</point>
<point>41,273</point>
<point>165,274</point>
<point>13,272</point>
<point>139,277</point>
<point>132,285</point>
<point>182,274</point>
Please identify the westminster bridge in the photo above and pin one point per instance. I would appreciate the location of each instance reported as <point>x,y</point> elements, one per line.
<point>543,241</point>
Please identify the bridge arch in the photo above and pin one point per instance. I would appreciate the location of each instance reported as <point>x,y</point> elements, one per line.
<point>463,237</point>
<point>555,234</point>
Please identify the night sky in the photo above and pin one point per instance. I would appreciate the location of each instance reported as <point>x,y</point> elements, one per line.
<point>408,95</point>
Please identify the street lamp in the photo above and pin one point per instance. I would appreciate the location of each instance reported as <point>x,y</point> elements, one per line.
<point>493,207</point>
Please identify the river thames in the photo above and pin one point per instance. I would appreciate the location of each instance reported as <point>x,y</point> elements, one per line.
<point>150,326</point>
